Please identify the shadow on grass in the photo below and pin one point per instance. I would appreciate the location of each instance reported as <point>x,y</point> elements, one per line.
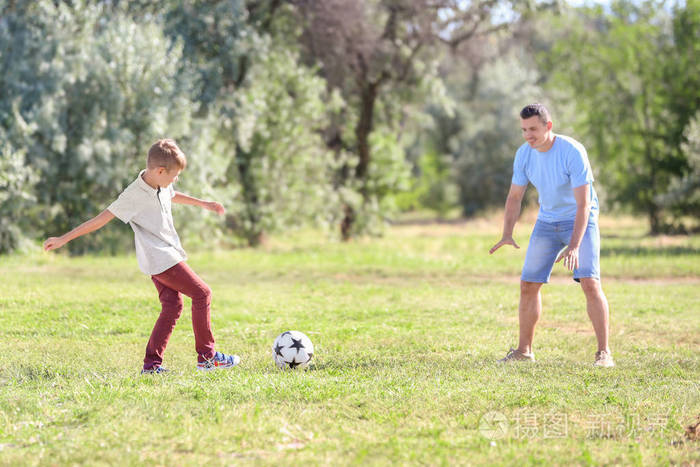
<point>649,251</point>
<point>24,373</point>
<point>365,364</point>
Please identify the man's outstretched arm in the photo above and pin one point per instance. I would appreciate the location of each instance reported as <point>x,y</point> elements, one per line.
<point>512,212</point>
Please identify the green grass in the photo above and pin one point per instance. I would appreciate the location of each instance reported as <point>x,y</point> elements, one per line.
<point>406,328</point>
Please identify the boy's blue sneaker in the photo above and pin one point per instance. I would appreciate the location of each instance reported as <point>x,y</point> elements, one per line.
<point>219,361</point>
<point>155,370</point>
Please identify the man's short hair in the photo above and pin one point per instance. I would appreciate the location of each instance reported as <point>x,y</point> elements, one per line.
<point>537,110</point>
<point>165,153</point>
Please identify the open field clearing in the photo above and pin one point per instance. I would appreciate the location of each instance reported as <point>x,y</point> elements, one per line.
<point>407,329</point>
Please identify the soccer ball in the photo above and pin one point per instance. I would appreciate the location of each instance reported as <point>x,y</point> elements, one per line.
<point>292,349</point>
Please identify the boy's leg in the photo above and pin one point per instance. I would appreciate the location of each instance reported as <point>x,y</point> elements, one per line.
<point>183,279</point>
<point>171,308</point>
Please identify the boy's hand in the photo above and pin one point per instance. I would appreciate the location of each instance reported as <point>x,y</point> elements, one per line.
<point>52,243</point>
<point>214,206</point>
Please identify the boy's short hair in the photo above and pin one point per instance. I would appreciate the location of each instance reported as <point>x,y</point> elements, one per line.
<point>533,110</point>
<point>165,153</point>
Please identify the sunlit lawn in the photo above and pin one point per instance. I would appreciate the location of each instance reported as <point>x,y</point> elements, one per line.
<point>407,329</point>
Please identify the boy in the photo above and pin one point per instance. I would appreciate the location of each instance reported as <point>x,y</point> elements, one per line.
<point>145,205</point>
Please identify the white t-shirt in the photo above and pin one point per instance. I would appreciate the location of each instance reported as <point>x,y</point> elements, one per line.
<point>148,211</point>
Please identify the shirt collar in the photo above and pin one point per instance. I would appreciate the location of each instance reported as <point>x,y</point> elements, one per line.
<point>145,186</point>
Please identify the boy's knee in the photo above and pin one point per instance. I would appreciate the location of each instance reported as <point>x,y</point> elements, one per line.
<point>203,293</point>
<point>178,305</point>
<point>171,308</point>
<point>171,300</point>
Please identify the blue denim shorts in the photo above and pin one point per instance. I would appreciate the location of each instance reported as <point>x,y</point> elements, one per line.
<point>548,239</point>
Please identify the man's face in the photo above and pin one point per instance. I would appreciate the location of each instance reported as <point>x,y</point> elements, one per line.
<point>535,132</point>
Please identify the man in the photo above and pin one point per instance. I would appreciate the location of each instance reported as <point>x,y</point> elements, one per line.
<point>566,227</point>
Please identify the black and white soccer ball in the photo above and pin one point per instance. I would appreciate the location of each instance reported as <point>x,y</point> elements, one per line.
<point>292,349</point>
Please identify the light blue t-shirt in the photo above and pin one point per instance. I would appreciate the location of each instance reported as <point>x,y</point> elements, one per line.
<point>555,173</point>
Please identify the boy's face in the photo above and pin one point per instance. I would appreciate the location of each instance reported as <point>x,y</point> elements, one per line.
<point>165,178</point>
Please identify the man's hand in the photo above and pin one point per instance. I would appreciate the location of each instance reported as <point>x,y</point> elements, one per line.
<point>570,257</point>
<point>214,206</point>
<point>52,243</point>
<point>503,241</point>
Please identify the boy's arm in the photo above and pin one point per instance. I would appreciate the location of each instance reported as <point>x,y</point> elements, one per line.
<point>512,211</point>
<point>93,224</point>
<point>182,198</point>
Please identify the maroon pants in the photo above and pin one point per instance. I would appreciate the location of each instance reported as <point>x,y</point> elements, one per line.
<point>177,280</point>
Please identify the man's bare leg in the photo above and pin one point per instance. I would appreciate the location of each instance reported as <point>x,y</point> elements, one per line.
<point>529,312</point>
<point>598,312</point>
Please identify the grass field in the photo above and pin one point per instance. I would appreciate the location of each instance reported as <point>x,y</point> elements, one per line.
<point>407,329</point>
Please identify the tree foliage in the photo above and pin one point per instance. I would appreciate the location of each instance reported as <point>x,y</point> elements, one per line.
<point>633,73</point>
<point>278,155</point>
<point>100,92</point>
<point>683,195</point>
<point>17,198</point>
<point>480,135</point>
<point>334,113</point>
<point>381,54</point>
<point>88,86</point>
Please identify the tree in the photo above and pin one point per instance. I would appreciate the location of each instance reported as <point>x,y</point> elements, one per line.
<point>17,197</point>
<point>279,160</point>
<point>377,53</point>
<point>479,134</point>
<point>634,74</point>
<point>266,109</point>
<point>86,95</point>
<point>683,195</point>
<point>682,72</point>
<point>88,85</point>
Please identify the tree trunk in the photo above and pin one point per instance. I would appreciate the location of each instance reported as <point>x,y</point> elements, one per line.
<point>653,210</point>
<point>256,239</point>
<point>346,224</point>
<point>255,235</point>
<point>362,132</point>
<point>654,218</point>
